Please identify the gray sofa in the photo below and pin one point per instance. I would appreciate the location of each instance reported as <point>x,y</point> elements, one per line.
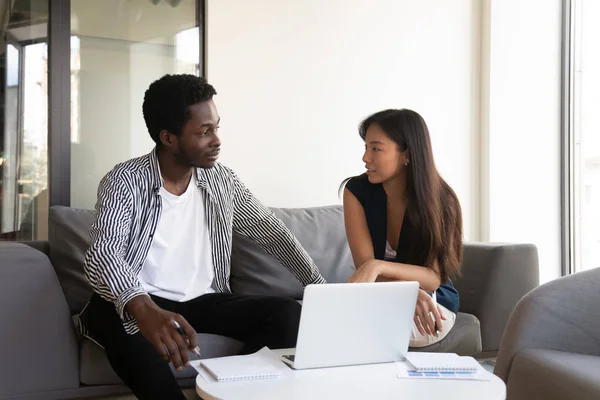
<point>43,290</point>
<point>551,346</point>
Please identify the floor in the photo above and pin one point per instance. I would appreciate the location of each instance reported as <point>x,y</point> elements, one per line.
<point>488,364</point>
<point>190,394</point>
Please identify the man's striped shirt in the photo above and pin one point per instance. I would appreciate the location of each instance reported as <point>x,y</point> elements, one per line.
<point>128,212</point>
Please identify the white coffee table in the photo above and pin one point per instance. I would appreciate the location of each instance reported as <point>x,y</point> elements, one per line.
<point>378,381</point>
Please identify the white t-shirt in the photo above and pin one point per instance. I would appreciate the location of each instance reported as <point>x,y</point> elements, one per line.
<point>179,264</point>
<point>390,254</point>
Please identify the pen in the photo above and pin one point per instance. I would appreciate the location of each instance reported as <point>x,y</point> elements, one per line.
<point>196,349</point>
<point>433,296</point>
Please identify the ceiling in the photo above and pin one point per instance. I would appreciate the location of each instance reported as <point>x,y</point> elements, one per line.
<point>131,20</point>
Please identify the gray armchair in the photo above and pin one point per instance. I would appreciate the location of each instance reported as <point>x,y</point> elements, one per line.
<point>551,345</point>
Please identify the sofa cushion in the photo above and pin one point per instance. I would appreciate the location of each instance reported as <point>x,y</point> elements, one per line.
<point>321,232</point>
<point>94,368</point>
<point>464,338</point>
<point>553,375</point>
<point>68,235</point>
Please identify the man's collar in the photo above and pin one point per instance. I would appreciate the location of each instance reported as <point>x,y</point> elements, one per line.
<point>157,179</point>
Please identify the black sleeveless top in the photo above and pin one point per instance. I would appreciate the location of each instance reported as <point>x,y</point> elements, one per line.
<point>409,251</point>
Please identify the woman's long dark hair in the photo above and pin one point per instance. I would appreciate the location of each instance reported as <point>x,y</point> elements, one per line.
<point>432,206</point>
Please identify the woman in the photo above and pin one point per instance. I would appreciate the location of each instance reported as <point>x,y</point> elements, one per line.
<point>404,222</point>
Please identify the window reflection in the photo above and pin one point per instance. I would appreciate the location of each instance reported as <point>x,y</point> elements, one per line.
<point>24,126</point>
<point>117,50</point>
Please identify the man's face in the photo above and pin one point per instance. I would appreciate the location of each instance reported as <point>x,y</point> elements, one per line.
<point>199,144</point>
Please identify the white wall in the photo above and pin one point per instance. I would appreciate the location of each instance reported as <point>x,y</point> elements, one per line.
<point>294,79</point>
<point>522,104</point>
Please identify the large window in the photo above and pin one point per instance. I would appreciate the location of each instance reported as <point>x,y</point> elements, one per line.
<point>72,80</point>
<point>585,134</point>
<point>24,119</point>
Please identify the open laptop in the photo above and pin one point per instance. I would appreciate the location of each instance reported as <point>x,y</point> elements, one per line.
<point>354,323</point>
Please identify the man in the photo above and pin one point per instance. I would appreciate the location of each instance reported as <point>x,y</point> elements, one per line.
<point>161,248</point>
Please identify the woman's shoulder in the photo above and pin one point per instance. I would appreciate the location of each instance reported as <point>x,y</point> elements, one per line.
<point>359,186</point>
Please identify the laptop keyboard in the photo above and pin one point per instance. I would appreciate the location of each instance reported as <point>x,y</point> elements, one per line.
<point>289,357</point>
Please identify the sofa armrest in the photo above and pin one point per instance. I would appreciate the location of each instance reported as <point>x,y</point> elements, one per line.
<point>495,276</point>
<point>41,245</point>
<point>38,346</point>
<point>559,315</point>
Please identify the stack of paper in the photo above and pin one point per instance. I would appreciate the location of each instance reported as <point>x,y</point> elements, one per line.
<point>263,364</point>
<point>441,362</point>
<point>441,366</point>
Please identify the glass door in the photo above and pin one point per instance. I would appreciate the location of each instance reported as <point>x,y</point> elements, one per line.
<point>117,49</point>
<point>24,131</point>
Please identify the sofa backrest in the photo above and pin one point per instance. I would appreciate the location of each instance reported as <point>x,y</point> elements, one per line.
<point>320,230</point>
<point>68,237</point>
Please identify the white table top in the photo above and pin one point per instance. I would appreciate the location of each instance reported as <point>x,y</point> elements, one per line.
<point>378,381</point>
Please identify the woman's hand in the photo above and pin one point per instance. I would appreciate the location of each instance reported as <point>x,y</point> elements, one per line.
<point>368,272</point>
<point>423,314</point>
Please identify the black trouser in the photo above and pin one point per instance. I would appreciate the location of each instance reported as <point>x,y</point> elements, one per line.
<point>256,321</point>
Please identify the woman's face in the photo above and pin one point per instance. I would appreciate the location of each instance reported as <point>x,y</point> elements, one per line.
<point>383,158</point>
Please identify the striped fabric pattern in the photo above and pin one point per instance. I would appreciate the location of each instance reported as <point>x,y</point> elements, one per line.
<point>128,211</point>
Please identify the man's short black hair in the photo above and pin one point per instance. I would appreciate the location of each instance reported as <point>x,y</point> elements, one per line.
<point>167,100</point>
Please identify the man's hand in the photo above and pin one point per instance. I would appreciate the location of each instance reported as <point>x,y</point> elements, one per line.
<point>423,314</point>
<point>368,272</point>
<point>159,327</point>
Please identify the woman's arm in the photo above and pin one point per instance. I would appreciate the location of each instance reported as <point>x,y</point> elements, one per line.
<point>428,278</point>
<point>374,270</point>
<point>369,270</point>
<point>357,231</point>
<point>361,247</point>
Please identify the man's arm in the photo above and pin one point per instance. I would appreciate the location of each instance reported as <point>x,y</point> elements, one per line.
<point>254,220</point>
<point>113,278</point>
<point>105,267</point>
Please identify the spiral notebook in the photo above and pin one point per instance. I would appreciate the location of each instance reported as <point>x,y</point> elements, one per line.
<point>263,364</point>
<point>428,362</point>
